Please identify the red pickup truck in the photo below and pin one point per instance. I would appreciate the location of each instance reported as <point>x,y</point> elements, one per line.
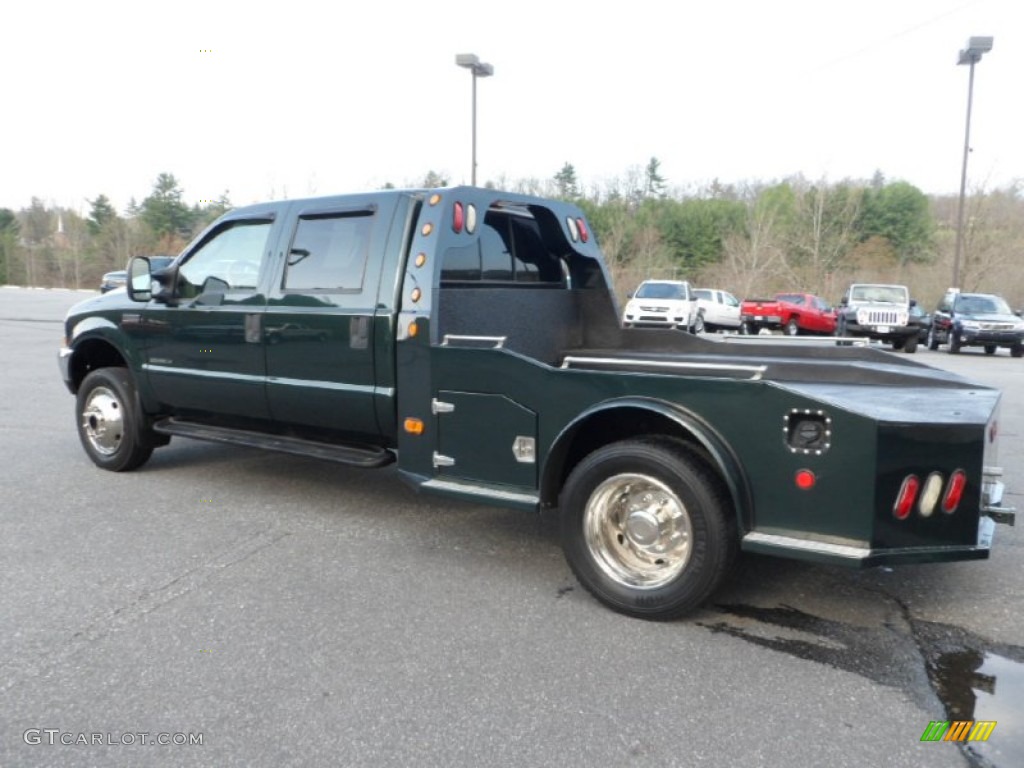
<point>794,313</point>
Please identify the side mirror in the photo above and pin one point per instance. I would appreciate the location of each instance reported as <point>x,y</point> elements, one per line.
<point>140,280</point>
<point>913,302</point>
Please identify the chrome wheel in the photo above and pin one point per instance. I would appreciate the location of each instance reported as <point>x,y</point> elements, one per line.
<point>103,421</point>
<point>637,530</point>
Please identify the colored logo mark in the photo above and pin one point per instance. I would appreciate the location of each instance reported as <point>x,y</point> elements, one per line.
<point>958,730</point>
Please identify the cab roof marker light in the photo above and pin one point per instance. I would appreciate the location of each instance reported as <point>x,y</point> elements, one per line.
<point>584,234</point>
<point>954,491</point>
<point>470,218</point>
<point>906,497</point>
<point>930,494</point>
<point>458,217</point>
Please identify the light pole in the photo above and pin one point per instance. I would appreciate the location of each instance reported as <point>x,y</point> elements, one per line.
<point>479,69</point>
<point>976,46</point>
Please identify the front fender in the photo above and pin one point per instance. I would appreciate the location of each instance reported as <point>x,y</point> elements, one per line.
<point>678,421</point>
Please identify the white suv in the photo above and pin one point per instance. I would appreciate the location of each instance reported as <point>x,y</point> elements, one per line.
<point>663,304</point>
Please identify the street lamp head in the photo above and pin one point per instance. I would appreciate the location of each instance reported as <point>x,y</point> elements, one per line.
<point>467,60</point>
<point>483,70</point>
<point>976,46</point>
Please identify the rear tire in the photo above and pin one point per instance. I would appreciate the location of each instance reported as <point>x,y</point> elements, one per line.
<point>109,425</point>
<point>1017,350</point>
<point>647,527</point>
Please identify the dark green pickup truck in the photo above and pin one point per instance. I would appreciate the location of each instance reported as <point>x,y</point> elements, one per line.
<point>471,336</point>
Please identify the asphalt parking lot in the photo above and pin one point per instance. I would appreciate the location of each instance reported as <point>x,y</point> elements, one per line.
<point>294,612</point>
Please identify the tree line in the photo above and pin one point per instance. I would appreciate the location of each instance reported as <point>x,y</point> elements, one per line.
<point>755,238</point>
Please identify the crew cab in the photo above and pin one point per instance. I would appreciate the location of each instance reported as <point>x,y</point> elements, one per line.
<point>976,320</point>
<point>719,310</point>
<point>470,337</point>
<point>793,313</point>
<point>880,312</point>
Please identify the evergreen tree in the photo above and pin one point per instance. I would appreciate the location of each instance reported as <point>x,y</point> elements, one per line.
<point>101,213</point>
<point>566,182</point>
<point>164,212</point>
<point>654,182</point>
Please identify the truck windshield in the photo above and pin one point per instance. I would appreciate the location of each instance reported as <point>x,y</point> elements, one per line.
<point>883,294</point>
<point>661,291</point>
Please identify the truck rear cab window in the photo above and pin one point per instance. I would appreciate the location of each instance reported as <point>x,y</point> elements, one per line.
<point>229,259</point>
<point>329,252</point>
<point>510,249</point>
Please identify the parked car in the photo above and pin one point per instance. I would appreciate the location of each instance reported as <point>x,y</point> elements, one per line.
<point>920,318</point>
<point>976,320</point>
<point>663,304</point>
<point>118,278</point>
<point>720,310</point>
<point>880,312</point>
<point>792,313</point>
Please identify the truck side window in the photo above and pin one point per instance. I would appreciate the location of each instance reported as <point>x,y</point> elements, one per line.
<point>328,252</point>
<point>231,256</point>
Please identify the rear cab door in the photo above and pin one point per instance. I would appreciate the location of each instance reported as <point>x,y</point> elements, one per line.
<point>322,313</point>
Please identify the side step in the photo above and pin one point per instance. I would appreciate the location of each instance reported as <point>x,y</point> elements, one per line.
<point>366,457</point>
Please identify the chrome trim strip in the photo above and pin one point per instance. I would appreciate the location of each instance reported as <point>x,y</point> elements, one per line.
<point>820,547</point>
<point>339,386</point>
<point>497,341</point>
<point>756,370</point>
<point>476,490</point>
<point>831,341</point>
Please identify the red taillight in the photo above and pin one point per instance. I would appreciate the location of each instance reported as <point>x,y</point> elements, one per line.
<point>805,479</point>
<point>907,496</point>
<point>582,225</point>
<point>954,491</point>
<point>458,217</point>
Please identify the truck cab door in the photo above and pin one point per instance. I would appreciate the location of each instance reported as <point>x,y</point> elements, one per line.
<point>319,329</point>
<point>203,351</point>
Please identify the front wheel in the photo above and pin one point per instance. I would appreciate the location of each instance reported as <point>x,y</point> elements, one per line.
<point>1017,350</point>
<point>698,323</point>
<point>933,339</point>
<point>792,327</point>
<point>954,342</point>
<point>646,527</point>
<point>108,422</point>
<point>990,349</point>
<point>910,344</point>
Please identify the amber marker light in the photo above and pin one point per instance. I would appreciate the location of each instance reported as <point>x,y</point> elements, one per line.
<point>427,228</point>
<point>805,479</point>
<point>414,426</point>
<point>414,328</point>
<point>421,259</point>
<point>435,199</point>
<point>416,293</point>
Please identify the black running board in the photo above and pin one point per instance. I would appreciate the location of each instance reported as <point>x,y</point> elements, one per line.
<point>366,457</point>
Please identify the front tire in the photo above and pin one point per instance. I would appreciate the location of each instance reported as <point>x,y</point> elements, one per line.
<point>108,421</point>
<point>933,339</point>
<point>647,528</point>
<point>910,344</point>
<point>1017,350</point>
<point>990,349</point>
<point>792,327</point>
<point>698,323</point>
<point>954,342</point>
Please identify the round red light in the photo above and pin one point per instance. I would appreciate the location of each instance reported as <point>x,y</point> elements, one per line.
<point>582,226</point>
<point>805,479</point>
<point>954,492</point>
<point>906,497</point>
<point>458,217</point>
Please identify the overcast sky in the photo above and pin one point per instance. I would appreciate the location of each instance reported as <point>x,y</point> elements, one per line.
<point>288,99</point>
